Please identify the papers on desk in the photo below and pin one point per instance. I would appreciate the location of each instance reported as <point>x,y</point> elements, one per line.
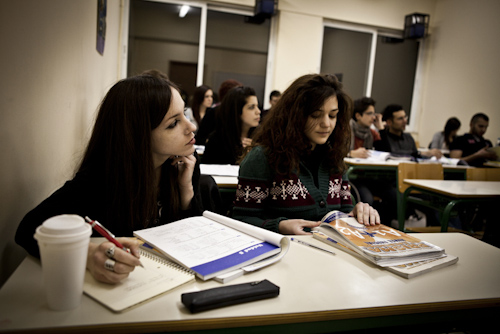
<point>157,277</point>
<point>220,170</point>
<point>445,161</point>
<point>213,245</point>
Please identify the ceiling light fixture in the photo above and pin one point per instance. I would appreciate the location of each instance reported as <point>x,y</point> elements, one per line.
<point>184,10</point>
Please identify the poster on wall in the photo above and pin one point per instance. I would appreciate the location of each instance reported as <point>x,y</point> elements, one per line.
<point>101,25</point>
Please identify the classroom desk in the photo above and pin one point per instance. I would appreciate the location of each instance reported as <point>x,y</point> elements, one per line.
<point>389,169</point>
<point>452,193</point>
<point>226,182</point>
<point>226,176</point>
<point>319,292</point>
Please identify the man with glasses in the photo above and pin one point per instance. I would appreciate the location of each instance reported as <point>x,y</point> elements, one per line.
<point>362,134</point>
<point>401,144</point>
<point>395,140</point>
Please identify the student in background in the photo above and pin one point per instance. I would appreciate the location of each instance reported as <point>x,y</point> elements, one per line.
<point>203,99</point>
<point>443,139</point>
<point>400,143</point>
<point>362,134</point>
<point>294,173</point>
<point>138,171</point>
<point>207,125</point>
<point>395,140</point>
<point>273,99</point>
<point>472,147</point>
<point>238,116</point>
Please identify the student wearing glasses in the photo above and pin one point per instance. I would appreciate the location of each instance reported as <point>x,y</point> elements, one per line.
<point>362,134</point>
<point>294,172</point>
<point>395,140</point>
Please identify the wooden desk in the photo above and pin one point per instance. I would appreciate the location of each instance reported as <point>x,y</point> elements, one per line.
<point>453,193</point>
<point>226,182</point>
<point>320,292</point>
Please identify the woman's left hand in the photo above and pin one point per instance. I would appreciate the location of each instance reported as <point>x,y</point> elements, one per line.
<point>366,214</point>
<point>185,165</point>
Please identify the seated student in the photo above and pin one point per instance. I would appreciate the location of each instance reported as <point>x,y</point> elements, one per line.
<point>238,116</point>
<point>472,147</point>
<point>138,171</point>
<point>207,125</point>
<point>203,99</point>
<point>273,99</point>
<point>294,173</point>
<point>395,140</point>
<point>362,135</point>
<point>443,139</point>
<point>399,143</point>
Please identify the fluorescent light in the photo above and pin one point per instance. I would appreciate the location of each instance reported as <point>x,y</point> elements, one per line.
<point>184,10</point>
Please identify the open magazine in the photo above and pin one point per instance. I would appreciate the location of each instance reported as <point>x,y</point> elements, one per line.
<point>380,244</point>
<point>213,245</point>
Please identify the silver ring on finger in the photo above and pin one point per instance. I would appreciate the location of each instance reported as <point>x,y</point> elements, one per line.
<point>109,264</point>
<point>110,252</point>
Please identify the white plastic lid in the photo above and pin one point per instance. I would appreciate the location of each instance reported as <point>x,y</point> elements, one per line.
<point>63,227</point>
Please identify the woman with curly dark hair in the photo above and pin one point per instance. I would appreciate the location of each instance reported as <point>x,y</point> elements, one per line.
<point>294,172</point>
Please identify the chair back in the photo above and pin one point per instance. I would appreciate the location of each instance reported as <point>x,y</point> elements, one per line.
<point>412,170</point>
<point>483,174</point>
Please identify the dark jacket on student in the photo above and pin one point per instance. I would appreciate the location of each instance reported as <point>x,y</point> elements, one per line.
<point>84,195</point>
<point>403,145</point>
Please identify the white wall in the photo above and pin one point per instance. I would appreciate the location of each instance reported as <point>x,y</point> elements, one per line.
<point>462,74</point>
<point>53,80</point>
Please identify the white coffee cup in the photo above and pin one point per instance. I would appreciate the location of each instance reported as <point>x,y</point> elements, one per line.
<point>63,242</point>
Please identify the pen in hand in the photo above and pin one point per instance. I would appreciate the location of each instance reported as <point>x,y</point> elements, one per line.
<point>107,234</point>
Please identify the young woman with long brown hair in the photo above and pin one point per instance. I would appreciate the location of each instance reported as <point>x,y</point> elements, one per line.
<point>294,173</point>
<point>138,171</point>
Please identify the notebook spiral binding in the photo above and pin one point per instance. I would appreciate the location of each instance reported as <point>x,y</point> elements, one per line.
<point>165,261</point>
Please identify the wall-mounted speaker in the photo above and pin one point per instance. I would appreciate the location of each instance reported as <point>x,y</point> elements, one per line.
<point>416,25</point>
<point>264,9</point>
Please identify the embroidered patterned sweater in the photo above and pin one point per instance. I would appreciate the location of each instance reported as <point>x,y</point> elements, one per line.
<point>264,198</point>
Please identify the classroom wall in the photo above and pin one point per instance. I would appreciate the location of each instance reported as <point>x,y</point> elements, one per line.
<point>462,70</point>
<point>53,80</point>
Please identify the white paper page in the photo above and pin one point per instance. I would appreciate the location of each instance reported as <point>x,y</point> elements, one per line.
<point>197,240</point>
<point>222,170</point>
<point>258,232</point>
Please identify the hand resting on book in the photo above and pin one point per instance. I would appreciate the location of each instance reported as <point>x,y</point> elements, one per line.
<point>365,214</point>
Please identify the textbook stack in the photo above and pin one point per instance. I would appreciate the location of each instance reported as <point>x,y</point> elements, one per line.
<point>381,245</point>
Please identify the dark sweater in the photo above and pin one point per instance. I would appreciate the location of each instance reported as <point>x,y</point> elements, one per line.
<point>264,198</point>
<point>84,195</point>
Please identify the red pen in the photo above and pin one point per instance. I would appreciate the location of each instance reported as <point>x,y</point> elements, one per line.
<point>106,233</point>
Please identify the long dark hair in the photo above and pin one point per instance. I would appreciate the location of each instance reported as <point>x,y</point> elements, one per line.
<point>119,152</point>
<point>451,125</point>
<point>282,133</point>
<point>198,98</point>
<point>228,126</point>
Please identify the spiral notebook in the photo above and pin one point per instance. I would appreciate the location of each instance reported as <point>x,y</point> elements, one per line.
<point>157,277</point>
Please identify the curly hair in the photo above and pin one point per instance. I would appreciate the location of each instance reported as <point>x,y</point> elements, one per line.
<point>282,133</point>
